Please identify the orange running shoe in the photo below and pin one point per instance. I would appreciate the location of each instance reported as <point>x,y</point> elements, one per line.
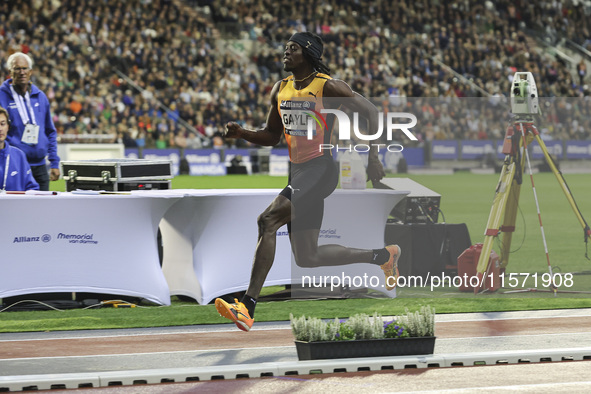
<point>236,312</point>
<point>390,268</point>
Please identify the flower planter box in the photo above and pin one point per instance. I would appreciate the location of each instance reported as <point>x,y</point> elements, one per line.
<point>365,348</point>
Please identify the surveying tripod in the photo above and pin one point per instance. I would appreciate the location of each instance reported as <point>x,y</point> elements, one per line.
<point>501,221</point>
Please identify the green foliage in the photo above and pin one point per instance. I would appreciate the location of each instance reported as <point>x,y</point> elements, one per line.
<point>392,329</point>
<point>345,332</point>
<point>362,326</point>
<point>228,182</point>
<point>311,329</point>
<point>420,323</point>
<point>332,329</point>
<point>366,327</point>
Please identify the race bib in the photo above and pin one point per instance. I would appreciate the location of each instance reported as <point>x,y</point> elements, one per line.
<point>295,116</point>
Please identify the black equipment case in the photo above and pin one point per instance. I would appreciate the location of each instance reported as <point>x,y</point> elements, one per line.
<point>117,174</point>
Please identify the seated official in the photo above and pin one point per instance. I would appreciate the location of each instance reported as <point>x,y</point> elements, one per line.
<point>15,172</point>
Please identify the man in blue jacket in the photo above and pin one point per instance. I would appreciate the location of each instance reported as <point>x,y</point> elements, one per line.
<point>32,129</point>
<point>15,173</point>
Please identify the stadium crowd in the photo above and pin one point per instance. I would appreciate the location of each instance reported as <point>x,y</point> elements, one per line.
<point>171,73</point>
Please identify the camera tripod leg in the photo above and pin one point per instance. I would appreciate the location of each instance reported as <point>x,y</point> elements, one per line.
<point>563,186</point>
<point>508,227</point>
<point>497,212</point>
<point>504,208</point>
<point>531,175</point>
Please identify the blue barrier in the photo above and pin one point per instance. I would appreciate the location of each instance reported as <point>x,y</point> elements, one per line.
<point>209,161</point>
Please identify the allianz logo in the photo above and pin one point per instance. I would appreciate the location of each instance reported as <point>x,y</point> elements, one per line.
<point>213,158</point>
<point>577,149</point>
<point>443,149</point>
<point>552,149</point>
<point>27,239</point>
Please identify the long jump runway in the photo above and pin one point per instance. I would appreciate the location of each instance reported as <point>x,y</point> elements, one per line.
<point>536,351</point>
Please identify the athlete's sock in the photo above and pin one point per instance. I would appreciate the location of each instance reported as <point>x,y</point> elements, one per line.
<point>249,303</point>
<point>380,256</point>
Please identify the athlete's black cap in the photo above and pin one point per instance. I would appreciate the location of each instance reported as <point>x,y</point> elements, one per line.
<point>311,43</point>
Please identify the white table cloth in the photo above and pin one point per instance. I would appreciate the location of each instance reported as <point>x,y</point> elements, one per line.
<point>209,238</point>
<point>93,243</point>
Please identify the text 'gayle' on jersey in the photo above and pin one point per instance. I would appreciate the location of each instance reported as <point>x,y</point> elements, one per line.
<point>295,115</point>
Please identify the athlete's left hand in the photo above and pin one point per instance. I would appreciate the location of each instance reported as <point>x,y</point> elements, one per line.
<point>375,169</point>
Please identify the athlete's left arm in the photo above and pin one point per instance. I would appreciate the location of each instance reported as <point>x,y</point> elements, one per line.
<point>358,103</point>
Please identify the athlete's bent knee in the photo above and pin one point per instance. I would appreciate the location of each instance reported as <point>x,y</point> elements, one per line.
<point>307,261</point>
<point>267,224</point>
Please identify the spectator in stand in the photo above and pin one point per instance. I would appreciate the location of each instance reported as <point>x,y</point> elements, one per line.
<point>582,71</point>
<point>32,129</point>
<point>170,49</point>
<point>161,142</point>
<point>193,141</point>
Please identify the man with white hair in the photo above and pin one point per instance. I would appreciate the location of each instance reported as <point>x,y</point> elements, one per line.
<point>32,129</point>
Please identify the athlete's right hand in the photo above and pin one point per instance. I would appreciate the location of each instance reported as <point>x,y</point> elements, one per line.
<point>233,130</point>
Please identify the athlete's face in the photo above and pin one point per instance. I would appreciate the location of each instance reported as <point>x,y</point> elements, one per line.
<point>293,56</point>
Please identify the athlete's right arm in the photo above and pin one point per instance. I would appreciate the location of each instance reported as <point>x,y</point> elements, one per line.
<point>270,135</point>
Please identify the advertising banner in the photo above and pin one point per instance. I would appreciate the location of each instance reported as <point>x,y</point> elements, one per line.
<point>554,149</point>
<point>132,153</point>
<point>476,150</point>
<point>205,162</point>
<point>165,154</point>
<point>279,162</point>
<point>578,149</point>
<point>444,150</point>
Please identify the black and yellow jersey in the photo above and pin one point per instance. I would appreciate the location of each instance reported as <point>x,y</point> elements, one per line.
<point>299,107</point>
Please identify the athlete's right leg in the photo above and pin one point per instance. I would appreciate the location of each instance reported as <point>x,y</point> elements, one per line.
<point>308,254</point>
<point>313,182</point>
<point>275,216</point>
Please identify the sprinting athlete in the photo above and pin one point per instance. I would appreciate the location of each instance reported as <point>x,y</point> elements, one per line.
<point>313,174</point>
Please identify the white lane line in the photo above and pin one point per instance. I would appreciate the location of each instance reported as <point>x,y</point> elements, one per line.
<point>136,334</point>
<point>142,354</point>
<point>497,337</point>
<point>507,388</point>
<point>498,318</point>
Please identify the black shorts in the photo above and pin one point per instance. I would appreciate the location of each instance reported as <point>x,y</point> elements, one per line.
<point>309,184</point>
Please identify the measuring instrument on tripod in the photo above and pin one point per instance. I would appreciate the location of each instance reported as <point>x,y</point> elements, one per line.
<point>501,221</point>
